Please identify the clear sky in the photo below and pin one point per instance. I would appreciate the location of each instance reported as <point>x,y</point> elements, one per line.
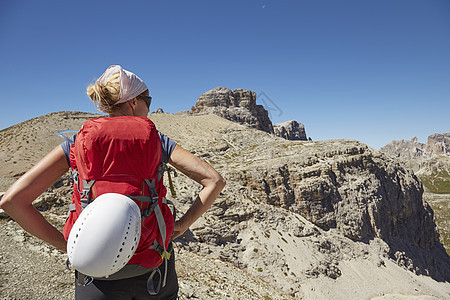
<point>370,70</point>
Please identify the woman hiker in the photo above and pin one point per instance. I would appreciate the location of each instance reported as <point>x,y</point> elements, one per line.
<point>125,97</point>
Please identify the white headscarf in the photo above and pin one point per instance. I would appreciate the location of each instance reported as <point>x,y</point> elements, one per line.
<point>130,84</point>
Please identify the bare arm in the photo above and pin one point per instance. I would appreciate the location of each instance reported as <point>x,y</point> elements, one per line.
<point>200,171</point>
<point>17,201</point>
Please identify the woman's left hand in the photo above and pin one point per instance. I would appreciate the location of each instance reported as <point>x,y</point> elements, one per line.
<point>203,173</point>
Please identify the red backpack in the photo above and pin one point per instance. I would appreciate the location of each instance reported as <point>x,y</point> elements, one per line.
<point>123,155</point>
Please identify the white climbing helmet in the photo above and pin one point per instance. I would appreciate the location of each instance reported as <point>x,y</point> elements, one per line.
<point>105,235</point>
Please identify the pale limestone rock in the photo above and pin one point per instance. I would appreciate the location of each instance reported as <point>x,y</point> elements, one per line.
<point>238,106</point>
<point>438,143</point>
<point>290,130</point>
<point>424,159</point>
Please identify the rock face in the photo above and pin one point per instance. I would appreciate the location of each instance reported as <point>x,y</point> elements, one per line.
<point>348,187</point>
<point>290,130</point>
<point>237,105</point>
<point>438,143</point>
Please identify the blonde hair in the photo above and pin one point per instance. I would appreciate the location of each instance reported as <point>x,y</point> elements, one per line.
<point>105,95</point>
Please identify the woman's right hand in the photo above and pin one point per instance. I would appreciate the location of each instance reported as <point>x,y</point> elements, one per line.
<point>17,201</point>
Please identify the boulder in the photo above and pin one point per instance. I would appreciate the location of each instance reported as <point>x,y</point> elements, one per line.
<point>158,111</point>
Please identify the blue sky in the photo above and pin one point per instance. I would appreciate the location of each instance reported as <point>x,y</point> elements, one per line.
<point>373,71</point>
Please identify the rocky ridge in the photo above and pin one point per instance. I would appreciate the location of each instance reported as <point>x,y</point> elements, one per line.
<point>240,106</point>
<point>437,144</point>
<point>301,219</point>
<point>430,161</point>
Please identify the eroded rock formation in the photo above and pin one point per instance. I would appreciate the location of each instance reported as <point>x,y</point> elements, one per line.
<point>438,143</point>
<point>290,130</point>
<point>237,105</point>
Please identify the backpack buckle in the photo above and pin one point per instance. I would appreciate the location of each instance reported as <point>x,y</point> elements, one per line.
<point>148,211</point>
<point>85,193</point>
<point>152,188</point>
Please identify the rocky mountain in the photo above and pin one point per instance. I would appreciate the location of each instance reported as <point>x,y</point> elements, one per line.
<point>297,219</point>
<point>240,106</point>
<point>437,144</point>
<point>404,149</point>
<point>430,161</point>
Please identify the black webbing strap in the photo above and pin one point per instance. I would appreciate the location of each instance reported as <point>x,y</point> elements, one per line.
<point>83,280</point>
<point>80,278</point>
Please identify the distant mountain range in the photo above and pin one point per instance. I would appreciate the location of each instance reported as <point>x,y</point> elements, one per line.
<point>430,161</point>
<point>437,144</point>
